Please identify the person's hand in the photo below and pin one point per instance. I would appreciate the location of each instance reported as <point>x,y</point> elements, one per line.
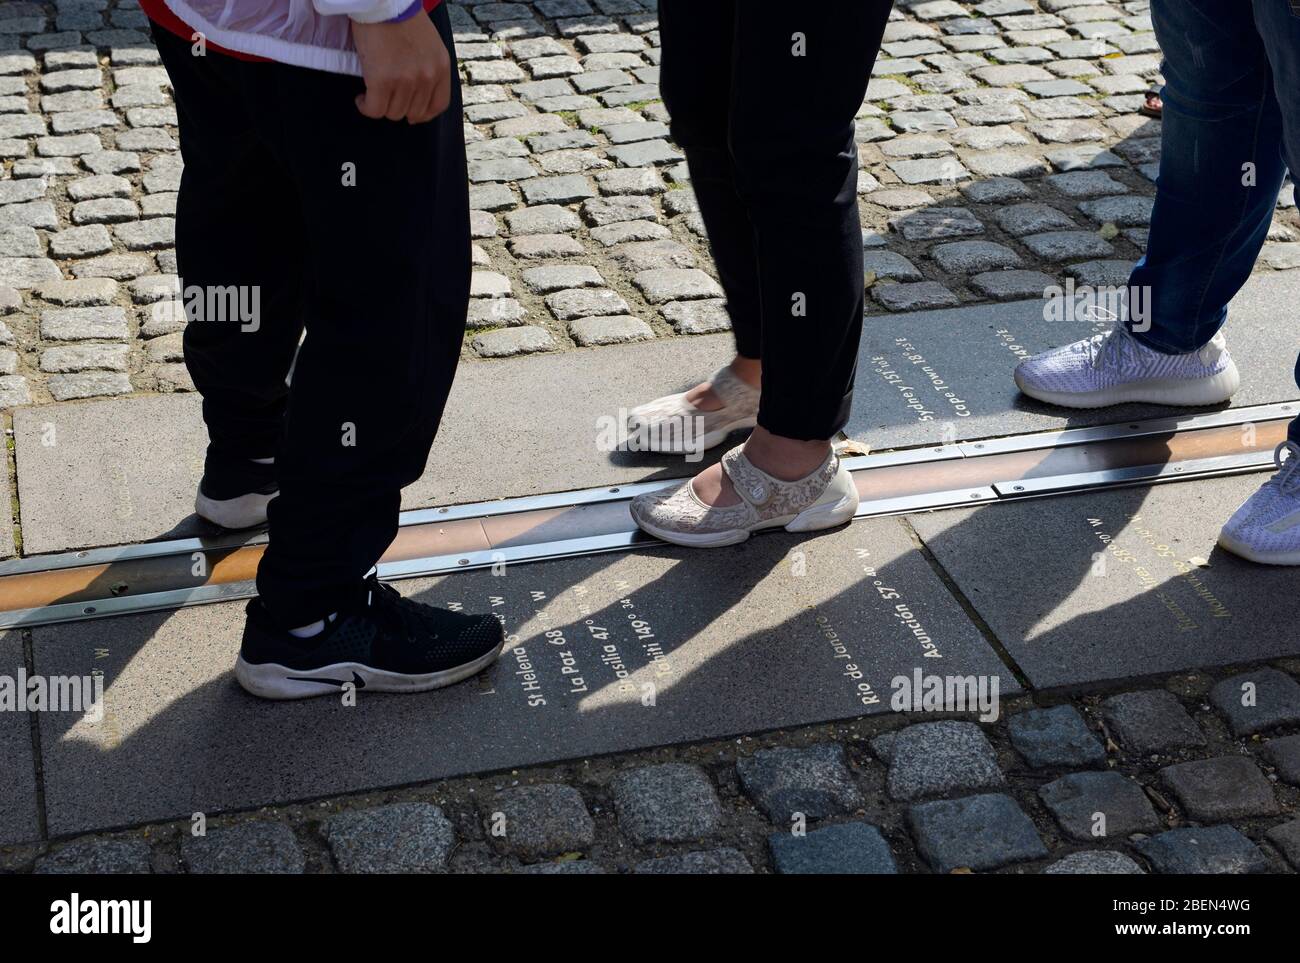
<point>406,69</point>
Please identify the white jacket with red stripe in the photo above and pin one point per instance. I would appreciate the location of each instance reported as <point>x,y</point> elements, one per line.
<point>305,33</point>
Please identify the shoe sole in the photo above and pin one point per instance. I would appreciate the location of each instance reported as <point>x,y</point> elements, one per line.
<point>1186,392</point>
<point>270,680</point>
<point>813,519</point>
<point>1242,550</point>
<point>246,511</point>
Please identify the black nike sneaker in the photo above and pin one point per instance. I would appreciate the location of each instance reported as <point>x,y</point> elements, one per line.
<point>382,643</point>
<point>234,494</point>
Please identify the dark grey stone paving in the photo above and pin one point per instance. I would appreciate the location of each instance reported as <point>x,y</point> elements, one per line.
<point>1070,611</point>
<point>1151,721</point>
<point>1055,738</point>
<point>18,817</point>
<point>670,803</point>
<point>1091,806</point>
<point>533,822</point>
<point>931,377</point>
<point>1220,789</point>
<point>1210,849</point>
<point>657,651</point>
<point>976,832</point>
<point>401,838</point>
<point>848,848</point>
<point>814,782</point>
<point>1258,700</point>
<point>258,847</point>
<point>935,758</point>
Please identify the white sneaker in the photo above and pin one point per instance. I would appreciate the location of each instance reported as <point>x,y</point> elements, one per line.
<point>1266,528</point>
<point>1114,368</point>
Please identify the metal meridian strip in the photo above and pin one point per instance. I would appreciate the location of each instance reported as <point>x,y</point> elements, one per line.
<point>99,582</point>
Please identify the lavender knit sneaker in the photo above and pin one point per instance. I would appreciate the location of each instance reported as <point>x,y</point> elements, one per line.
<point>1266,528</point>
<point>1114,368</point>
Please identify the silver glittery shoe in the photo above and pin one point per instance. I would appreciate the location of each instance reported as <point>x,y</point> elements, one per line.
<point>672,425</point>
<point>824,499</point>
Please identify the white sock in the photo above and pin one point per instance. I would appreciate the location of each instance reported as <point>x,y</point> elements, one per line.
<point>316,628</point>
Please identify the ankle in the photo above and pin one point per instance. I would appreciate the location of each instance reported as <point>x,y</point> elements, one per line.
<point>748,370</point>
<point>787,459</point>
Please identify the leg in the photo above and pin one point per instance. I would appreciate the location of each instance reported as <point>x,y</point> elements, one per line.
<point>695,78</point>
<point>799,80</point>
<point>386,211</point>
<point>1279,27</point>
<point>229,185</point>
<point>1210,217</point>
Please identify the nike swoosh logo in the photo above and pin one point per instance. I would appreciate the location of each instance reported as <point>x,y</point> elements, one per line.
<point>356,680</point>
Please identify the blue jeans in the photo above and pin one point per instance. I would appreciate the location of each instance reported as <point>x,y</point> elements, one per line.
<point>1231,99</point>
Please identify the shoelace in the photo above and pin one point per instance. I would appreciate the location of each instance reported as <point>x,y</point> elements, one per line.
<point>391,608</point>
<point>1116,344</point>
<point>1288,469</point>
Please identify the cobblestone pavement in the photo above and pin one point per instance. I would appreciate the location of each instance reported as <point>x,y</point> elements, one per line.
<point>1175,776</point>
<point>1002,152</point>
<point>1001,145</point>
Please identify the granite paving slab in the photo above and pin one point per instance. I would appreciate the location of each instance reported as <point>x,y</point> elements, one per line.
<point>1117,584</point>
<point>18,813</point>
<point>604,653</point>
<point>934,377</point>
<point>125,470</point>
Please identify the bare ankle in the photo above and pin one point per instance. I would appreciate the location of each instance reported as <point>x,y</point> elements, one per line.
<point>788,459</point>
<point>748,370</point>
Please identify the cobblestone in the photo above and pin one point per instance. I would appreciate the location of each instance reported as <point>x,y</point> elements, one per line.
<point>1089,805</point>
<point>98,856</point>
<point>1212,849</point>
<point>533,822</point>
<point>258,847</point>
<point>977,833</point>
<point>713,862</point>
<point>669,803</point>
<point>1215,790</point>
<point>401,838</point>
<point>935,758</point>
<point>1055,738</point>
<point>1150,722</point>
<point>1257,701</point>
<point>847,848</point>
<point>1096,862</point>
<point>815,782</point>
